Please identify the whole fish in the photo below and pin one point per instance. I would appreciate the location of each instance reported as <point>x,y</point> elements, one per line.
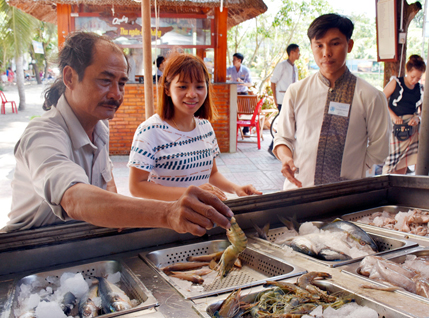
<point>330,254</point>
<point>304,245</point>
<point>205,258</point>
<point>200,272</point>
<point>113,299</point>
<point>69,304</point>
<point>353,231</point>
<point>196,279</point>
<point>87,306</point>
<point>330,246</point>
<point>184,266</point>
<point>192,276</point>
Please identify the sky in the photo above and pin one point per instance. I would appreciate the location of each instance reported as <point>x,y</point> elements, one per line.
<point>346,7</point>
<point>360,7</point>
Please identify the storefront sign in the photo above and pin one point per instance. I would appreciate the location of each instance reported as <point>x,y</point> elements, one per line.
<point>117,21</point>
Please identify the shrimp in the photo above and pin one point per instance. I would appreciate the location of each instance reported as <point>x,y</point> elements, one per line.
<point>288,287</point>
<point>238,244</point>
<point>306,282</point>
<point>230,306</point>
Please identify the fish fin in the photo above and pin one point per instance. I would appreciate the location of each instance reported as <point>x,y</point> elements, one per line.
<point>290,223</point>
<point>266,228</point>
<point>259,231</point>
<point>337,220</point>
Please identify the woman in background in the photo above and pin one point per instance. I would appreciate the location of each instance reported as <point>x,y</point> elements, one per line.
<point>405,99</point>
<point>177,147</point>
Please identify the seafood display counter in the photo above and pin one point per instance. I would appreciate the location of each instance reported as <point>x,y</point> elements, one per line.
<point>139,254</point>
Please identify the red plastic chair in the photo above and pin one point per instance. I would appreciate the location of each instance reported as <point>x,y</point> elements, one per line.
<point>255,121</point>
<point>4,101</point>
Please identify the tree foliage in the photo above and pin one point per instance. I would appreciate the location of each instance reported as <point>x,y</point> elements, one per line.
<point>17,30</point>
<point>264,40</point>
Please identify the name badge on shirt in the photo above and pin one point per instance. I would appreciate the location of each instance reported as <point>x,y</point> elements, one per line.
<point>339,109</point>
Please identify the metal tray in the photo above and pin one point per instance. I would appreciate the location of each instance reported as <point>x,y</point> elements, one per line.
<point>129,283</point>
<point>385,244</point>
<point>355,216</point>
<point>353,270</point>
<point>257,268</point>
<point>210,306</point>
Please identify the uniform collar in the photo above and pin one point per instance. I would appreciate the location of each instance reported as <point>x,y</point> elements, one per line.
<point>338,81</point>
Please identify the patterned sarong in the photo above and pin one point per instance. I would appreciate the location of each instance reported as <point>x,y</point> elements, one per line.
<point>334,131</point>
<point>402,153</point>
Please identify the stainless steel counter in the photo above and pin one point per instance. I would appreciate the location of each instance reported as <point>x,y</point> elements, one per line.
<point>42,249</point>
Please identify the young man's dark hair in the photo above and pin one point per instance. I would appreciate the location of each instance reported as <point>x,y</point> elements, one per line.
<point>77,52</point>
<point>239,56</point>
<point>291,47</point>
<point>159,60</point>
<point>322,24</point>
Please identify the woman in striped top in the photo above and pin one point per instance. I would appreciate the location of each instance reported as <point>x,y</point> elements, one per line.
<point>177,147</point>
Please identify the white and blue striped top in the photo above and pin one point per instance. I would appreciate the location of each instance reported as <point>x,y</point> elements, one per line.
<point>174,158</point>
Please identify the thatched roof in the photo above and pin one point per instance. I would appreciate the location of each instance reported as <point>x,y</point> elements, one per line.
<point>238,10</point>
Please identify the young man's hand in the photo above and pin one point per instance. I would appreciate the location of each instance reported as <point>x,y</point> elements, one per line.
<point>288,170</point>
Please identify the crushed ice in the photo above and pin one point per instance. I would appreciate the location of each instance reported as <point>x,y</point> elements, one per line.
<point>45,301</point>
<point>351,310</point>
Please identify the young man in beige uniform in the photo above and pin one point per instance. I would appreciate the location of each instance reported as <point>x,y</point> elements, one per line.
<point>333,126</point>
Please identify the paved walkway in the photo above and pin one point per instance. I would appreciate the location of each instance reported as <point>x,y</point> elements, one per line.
<point>247,165</point>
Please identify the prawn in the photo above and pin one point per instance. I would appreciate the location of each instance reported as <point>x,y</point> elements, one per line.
<point>230,306</point>
<point>289,287</point>
<point>306,282</point>
<point>238,242</point>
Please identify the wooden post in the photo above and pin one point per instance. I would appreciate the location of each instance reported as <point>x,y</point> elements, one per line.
<point>422,167</point>
<point>410,11</point>
<point>201,53</point>
<point>63,22</point>
<point>221,19</point>
<point>147,58</point>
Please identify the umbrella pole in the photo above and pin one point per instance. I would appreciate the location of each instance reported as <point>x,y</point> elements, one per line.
<point>147,58</point>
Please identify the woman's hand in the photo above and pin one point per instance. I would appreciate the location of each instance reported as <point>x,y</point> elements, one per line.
<point>215,190</point>
<point>414,121</point>
<point>247,190</point>
<point>397,120</point>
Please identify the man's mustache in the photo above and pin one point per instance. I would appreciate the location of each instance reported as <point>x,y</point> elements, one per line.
<point>110,102</point>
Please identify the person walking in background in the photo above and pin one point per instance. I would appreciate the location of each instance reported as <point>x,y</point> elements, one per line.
<point>160,63</point>
<point>10,75</point>
<point>405,96</point>
<point>240,74</point>
<point>284,74</point>
<point>177,147</point>
<point>333,126</point>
